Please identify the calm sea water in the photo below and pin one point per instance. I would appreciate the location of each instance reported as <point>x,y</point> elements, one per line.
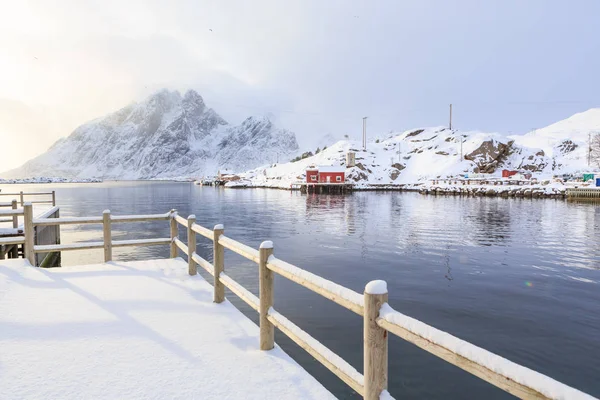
<point>518,277</point>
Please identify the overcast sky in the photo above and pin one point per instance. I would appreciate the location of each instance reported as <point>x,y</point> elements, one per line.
<point>319,66</point>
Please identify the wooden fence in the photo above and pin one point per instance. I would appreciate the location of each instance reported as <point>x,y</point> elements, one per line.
<point>22,198</point>
<point>379,318</point>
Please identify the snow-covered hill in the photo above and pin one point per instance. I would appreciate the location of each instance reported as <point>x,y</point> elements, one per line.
<point>421,154</point>
<point>167,135</point>
<point>566,141</point>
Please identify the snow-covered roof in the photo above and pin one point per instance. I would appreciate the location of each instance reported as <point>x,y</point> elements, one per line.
<point>331,168</point>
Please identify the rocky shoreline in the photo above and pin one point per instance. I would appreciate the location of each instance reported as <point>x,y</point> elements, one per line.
<point>523,192</point>
<point>535,192</point>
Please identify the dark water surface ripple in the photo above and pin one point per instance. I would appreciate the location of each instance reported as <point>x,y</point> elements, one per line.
<point>518,277</point>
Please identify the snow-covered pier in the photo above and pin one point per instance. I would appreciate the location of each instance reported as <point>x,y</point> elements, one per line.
<point>323,188</point>
<point>590,193</point>
<point>155,329</point>
<point>133,330</point>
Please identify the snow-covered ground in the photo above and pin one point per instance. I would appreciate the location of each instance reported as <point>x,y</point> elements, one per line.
<point>412,158</point>
<point>133,330</point>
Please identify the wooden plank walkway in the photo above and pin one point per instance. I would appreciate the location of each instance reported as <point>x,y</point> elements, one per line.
<point>133,330</point>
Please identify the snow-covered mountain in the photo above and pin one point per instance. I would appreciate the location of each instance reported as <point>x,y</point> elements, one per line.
<point>420,154</point>
<point>166,135</point>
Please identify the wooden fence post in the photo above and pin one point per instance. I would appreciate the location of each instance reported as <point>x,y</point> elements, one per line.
<point>29,233</point>
<point>375,341</point>
<point>14,253</point>
<point>192,269</point>
<point>265,293</point>
<point>15,220</point>
<point>53,198</point>
<point>21,196</point>
<point>106,230</point>
<point>174,233</point>
<point>219,264</point>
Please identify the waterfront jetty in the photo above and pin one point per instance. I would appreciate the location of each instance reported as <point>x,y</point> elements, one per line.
<point>589,193</point>
<point>160,324</point>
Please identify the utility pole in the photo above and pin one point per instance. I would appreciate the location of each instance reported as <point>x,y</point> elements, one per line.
<point>589,149</point>
<point>450,116</point>
<point>365,133</point>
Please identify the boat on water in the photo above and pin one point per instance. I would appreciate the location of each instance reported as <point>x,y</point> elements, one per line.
<point>205,182</point>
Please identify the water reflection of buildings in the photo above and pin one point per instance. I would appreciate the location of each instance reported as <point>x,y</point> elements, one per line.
<point>342,215</point>
<point>329,211</point>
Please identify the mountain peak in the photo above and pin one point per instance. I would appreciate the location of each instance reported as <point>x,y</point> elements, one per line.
<point>191,96</point>
<point>165,135</point>
<point>164,97</point>
<point>193,103</point>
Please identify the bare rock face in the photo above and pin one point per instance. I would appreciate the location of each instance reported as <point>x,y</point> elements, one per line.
<point>489,155</point>
<point>566,146</point>
<point>415,133</point>
<point>523,159</point>
<point>357,176</point>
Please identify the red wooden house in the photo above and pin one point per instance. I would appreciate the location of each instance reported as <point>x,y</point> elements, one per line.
<point>326,174</point>
<point>508,173</point>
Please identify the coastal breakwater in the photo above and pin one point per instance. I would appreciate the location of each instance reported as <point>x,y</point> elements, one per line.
<point>495,191</point>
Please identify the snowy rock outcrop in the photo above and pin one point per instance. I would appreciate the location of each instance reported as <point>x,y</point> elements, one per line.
<point>167,135</point>
<point>490,155</point>
<point>565,143</point>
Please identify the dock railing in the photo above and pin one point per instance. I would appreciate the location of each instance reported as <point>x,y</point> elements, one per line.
<point>12,241</point>
<point>23,195</point>
<point>379,318</point>
<point>106,220</point>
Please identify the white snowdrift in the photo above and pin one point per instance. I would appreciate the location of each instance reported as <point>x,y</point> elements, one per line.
<point>133,330</point>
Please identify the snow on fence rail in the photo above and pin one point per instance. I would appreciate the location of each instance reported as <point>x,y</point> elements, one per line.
<point>22,196</point>
<point>12,240</point>
<point>379,319</point>
<point>338,294</point>
<point>515,379</point>
<point>30,249</point>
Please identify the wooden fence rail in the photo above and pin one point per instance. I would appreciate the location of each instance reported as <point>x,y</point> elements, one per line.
<point>22,196</point>
<point>379,320</point>
<point>107,243</point>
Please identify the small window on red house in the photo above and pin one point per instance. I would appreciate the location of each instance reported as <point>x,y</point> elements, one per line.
<point>338,178</point>
<point>313,178</point>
